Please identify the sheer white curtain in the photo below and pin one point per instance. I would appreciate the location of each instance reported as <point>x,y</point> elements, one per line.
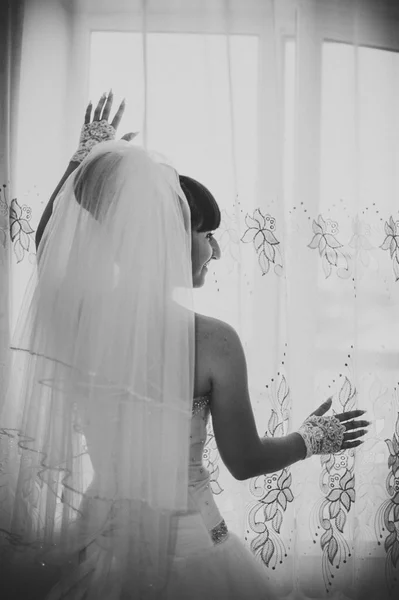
<point>287,111</point>
<point>34,49</point>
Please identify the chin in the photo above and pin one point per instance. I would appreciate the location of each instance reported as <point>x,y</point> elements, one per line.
<point>199,280</point>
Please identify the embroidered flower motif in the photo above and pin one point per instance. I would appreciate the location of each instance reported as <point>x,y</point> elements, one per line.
<point>206,454</point>
<point>266,516</point>
<point>272,492</point>
<point>341,461</point>
<point>341,495</point>
<point>360,241</point>
<point>325,241</point>
<point>211,457</point>
<point>332,227</point>
<point>260,233</point>
<point>3,200</point>
<point>333,481</point>
<point>337,483</point>
<point>391,243</point>
<point>3,216</point>
<point>228,239</point>
<point>20,229</point>
<point>387,518</point>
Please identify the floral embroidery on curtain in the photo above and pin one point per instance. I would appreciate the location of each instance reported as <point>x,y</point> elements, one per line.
<point>337,484</point>
<point>391,243</point>
<point>387,515</point>
<point>273,491</point>
<point>260,231</point>
<point>21,232</point>
<point>211,459</point>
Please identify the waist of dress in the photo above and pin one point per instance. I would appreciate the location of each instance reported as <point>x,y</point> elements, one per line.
<point>201,500</point>
<point>192,531</point>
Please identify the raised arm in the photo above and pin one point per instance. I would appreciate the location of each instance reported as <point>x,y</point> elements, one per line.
<point>244,453</point>
<point>48,211</point>
<point>94,131</point>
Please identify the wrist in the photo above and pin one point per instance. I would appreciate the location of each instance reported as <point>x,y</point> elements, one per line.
<point>300,446</point>
<point>72,166</point>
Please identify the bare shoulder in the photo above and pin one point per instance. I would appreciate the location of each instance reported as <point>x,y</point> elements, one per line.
<point>220,347</point>
<point>217,335</point>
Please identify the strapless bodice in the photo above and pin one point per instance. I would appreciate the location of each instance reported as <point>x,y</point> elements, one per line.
<point>200,496</point>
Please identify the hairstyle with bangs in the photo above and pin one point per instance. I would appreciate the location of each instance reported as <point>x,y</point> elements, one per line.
<point>205,213</point>
<point>204,210</point>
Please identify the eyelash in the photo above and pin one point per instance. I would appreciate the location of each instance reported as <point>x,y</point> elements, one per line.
<point>209,236</point>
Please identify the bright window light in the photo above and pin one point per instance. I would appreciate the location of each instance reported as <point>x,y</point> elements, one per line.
<point>201,101</point>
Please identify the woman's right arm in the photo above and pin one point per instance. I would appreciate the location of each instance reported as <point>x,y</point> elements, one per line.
<point>48,211</point>
<point>90,136</point>
<point>244,453</point>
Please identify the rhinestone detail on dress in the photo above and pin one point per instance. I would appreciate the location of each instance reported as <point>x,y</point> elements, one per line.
<point>199,404</point>
<point>219,533</point>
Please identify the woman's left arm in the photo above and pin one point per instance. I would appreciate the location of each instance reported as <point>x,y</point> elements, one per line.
<point>93,132</point>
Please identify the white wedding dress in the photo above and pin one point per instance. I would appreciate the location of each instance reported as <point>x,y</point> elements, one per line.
<point>210,562</point>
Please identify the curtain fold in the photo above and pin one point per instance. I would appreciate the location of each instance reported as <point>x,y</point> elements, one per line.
<point>11,18</point>
<point>28,157</point>
<point>287,111</point>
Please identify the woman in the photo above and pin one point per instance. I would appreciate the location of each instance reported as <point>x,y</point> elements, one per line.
<point>103,442</point>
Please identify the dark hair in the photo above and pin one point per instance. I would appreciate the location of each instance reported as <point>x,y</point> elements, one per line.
<point>205,213</point>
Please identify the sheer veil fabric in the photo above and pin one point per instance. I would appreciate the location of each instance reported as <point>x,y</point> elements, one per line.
<point>95,429</point>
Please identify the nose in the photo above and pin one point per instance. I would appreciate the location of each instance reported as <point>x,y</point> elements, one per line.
<point>216,249</point>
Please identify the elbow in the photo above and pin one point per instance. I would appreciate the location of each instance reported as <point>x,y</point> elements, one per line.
<point>238,471</point>
<point>239,475</point>
<point>242,471</point>
<point>244,465</point>
<point>249,472</point>
<point>242,476</point>
<point>250,468</point>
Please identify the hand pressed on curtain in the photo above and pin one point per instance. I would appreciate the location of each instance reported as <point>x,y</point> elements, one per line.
<point>93,132</point>
<point>327,435</point>
<point>99,129</point>
<point>244,453</point>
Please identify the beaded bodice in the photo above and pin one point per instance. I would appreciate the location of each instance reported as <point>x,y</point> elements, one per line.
<point>200,492</point>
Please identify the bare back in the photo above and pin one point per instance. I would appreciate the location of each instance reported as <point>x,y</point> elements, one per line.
<point>203,355</point>
<point>220,368</point>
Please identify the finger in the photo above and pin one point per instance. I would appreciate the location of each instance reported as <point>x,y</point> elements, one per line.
<point>108,106</point>
<point>323,408</point>
<point>119,115</point>
<point>99,107</point>
<point>130,136</point>
<point>88,113</point>
<point>353,435</point>
<point>356,424</point>
<point>346,416</point>
<point>355,444</point>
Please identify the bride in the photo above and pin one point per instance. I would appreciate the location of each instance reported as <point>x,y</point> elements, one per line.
<point>114,380</point>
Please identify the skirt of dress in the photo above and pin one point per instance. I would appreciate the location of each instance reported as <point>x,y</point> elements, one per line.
<point>203,570</point>
<point>200,570</point>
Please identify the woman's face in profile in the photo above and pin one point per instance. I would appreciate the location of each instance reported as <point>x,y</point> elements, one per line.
<point>204,248</point>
